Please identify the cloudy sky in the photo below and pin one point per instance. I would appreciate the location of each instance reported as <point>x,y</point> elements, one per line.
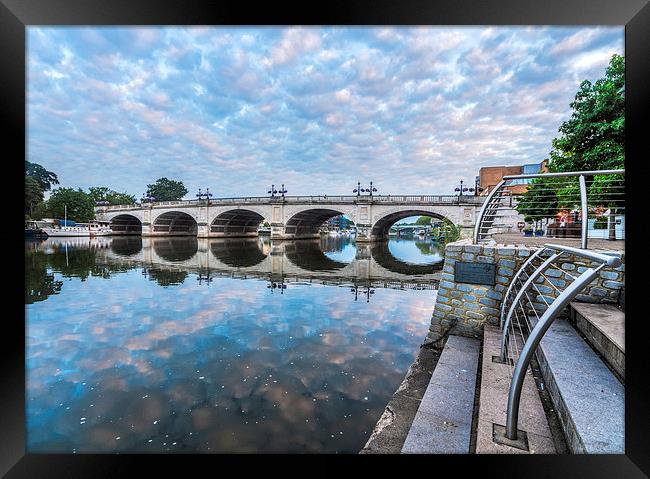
<point>318,109</point>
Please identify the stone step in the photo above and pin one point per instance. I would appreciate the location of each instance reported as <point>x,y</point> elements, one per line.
<point>443,422</point>
<point>495,384</point>
<point>604,327</point>
<point>589,399</point>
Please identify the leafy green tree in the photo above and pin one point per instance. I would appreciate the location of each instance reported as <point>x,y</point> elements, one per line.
<point>165,189</point>
<point>423,220</point>
<point>99,193</point>
<point>594,137</point>
<point>46,179</point>
<point>80,205</point>
<point>539,202</point>
<point>33,194</point>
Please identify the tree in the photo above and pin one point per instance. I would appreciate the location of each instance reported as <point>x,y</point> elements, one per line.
<point>423,220</point>
<point>44,178</point>
<point>33,194</point>
<point>80,205</point>
<point>165,189</point>
<point>102,193</point>
<point>540,201</point>
<point>594,137</point>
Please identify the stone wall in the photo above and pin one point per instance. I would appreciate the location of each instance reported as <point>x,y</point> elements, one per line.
<point>463,308</point>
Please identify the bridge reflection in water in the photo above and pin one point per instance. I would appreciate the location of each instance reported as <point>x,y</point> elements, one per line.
<point>315,261</point>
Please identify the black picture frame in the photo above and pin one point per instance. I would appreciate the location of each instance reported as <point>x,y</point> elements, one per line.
<point>16,15</point>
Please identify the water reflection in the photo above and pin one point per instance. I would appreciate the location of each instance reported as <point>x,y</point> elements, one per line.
<point>129,353</point>
<point>309,255</point>
<point>239,252</point>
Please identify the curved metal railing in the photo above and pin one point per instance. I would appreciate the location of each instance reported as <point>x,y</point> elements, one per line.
<point>567,188</point>
<point>535,294</point>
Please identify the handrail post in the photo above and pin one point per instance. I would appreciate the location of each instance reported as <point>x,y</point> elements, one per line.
<point>583,204</point>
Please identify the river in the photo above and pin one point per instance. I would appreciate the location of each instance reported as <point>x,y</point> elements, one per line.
<point>184,345</point>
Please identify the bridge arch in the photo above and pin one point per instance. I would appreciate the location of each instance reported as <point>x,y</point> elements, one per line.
<point>175,223</point>
<point>236,223</point>
<point>305,223</point>
<point>126,224</point>
<point>383,224</point>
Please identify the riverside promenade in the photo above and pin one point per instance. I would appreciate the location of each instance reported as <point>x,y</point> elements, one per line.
<point>454,397</point>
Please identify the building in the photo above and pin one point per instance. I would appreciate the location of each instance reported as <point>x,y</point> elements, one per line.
<point>490,176</point>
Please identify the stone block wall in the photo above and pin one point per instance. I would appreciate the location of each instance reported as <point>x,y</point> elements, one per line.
<point>463,308</point>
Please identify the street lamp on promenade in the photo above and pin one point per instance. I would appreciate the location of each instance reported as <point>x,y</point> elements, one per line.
<point>272,191</point>
<point>358,190</point>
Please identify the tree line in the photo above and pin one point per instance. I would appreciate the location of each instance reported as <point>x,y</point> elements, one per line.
<point>81,204</point>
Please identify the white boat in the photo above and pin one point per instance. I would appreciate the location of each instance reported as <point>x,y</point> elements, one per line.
<point>96,228</point>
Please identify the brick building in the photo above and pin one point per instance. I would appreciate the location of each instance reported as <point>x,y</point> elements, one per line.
<point>490,176</point>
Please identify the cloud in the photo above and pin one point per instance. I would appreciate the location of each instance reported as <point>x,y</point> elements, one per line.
<point>236,109</point>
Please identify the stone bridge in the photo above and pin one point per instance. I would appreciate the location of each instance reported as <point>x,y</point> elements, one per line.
<point>245,257</point>
<point>290,217</point>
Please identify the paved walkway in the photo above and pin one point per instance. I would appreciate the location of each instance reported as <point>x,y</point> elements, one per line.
<point>593,243</point>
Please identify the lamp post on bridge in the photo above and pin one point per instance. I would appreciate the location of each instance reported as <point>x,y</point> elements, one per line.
<point>358,190</point>
<point>461,189</point>
<point>273,191</point>
<point>477,188</point>
<point>207,195</point>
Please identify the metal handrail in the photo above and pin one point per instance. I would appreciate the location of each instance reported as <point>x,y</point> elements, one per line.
<point>493,199</point>
<point>553,310</point>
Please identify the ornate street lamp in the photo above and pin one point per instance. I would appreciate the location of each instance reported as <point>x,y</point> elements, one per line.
<point>207,195</point>
<point>477,188</point>
<point>282,190</point>
<point>461,189</point>
<point>272,191</point>
<point>370,190</point>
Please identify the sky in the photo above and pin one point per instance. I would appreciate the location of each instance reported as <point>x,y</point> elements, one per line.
<point>413,109</point>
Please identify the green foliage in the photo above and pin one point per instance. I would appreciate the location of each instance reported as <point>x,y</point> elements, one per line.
<point>80,205</point>
<point>40,211</point>
<point>165,189</point>
<point>33,194</point>
<point>44,178</point>
<point>423,220</point>
<point>600,223</point>
<point>594,137</point>
<point>102,193</point>
<point>447,230</point>
<point>538,202</point>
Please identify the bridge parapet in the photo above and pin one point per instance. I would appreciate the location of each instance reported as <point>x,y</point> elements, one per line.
<point>321,199</point>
